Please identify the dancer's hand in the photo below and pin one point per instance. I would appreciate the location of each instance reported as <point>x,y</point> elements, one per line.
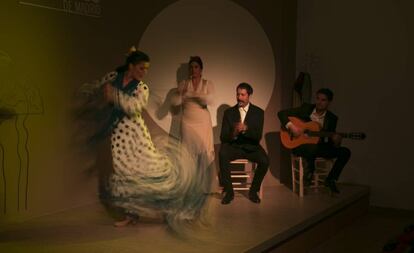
<point>108,92</point>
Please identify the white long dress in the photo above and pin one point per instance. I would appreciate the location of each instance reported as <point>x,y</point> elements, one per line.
<point>196,126</point>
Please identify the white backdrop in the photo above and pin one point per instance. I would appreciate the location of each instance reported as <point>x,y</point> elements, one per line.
<point>232,44</point>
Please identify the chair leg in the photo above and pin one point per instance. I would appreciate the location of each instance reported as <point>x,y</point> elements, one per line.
<point>249,174</point>
<point>316,178</point>
<point>293,164</point>
<point>301,177</point>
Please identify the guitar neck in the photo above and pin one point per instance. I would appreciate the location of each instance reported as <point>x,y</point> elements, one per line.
<point>325,134</point>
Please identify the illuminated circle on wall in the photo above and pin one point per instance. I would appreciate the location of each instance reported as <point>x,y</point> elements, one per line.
<point>232,44</point>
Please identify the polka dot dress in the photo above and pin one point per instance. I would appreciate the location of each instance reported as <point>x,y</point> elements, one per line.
<point>148,181</point>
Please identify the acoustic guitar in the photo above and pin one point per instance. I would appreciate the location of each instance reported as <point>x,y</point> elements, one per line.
<point>311,134</point>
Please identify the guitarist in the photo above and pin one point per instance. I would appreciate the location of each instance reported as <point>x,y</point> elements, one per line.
<point>327,147</point>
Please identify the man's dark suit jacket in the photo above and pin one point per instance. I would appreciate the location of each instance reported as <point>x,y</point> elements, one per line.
<point>250,140</point>
<point>303,112</point>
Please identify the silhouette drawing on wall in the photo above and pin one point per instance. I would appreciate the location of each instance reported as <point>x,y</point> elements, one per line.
<point>19,100</point>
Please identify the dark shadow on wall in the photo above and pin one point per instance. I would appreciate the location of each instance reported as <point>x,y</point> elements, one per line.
<point>182,72</point>
<point>219,119</point>
<point>279,159</point>
<point>167,106</point>
<point>216,134</point>
<point>272,141</point>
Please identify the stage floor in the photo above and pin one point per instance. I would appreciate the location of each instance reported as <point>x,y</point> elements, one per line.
<point>238,227</point>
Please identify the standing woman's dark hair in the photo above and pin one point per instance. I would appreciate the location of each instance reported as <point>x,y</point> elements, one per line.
<point>196,59</point>
<point>134,57</point>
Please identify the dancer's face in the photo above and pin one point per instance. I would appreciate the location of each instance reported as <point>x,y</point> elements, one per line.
<point>139,70</point>
<point>195,69</point>
<point>242,97</point>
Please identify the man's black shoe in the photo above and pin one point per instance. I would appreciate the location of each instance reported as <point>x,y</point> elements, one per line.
<point>228,197</point>
<point>330,183</point>
<point>254,198</point>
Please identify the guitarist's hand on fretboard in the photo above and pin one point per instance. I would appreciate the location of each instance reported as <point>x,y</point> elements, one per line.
<point>336,139</point>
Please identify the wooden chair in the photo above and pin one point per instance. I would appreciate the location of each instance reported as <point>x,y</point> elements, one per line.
<point>242,177</point>
<point>322,168</point>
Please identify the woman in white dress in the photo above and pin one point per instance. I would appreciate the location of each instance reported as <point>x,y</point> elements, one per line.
<point>196,127</point>
<point>147,180</point>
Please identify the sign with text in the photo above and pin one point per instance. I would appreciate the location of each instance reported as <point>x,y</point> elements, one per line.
<point>90,8</point>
